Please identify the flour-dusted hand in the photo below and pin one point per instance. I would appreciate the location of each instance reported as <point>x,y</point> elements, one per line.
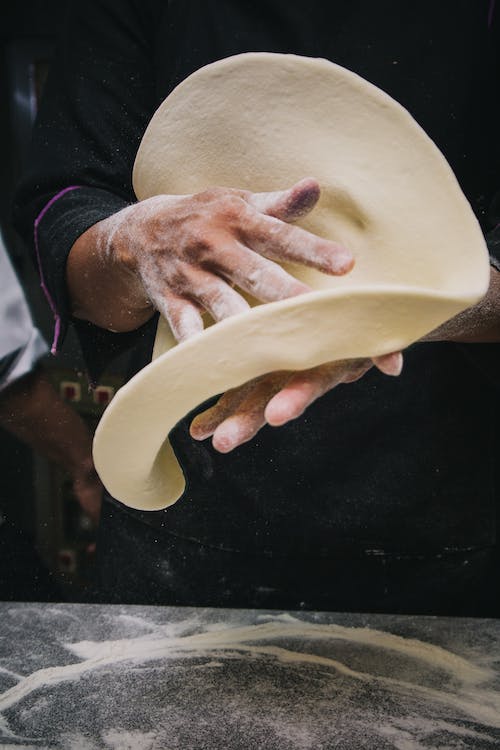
<point>277,398</point>
<point>186,254</point>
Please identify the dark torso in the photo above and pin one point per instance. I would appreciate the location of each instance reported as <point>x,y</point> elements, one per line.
<point>392,472</point>
<point>406,466</point>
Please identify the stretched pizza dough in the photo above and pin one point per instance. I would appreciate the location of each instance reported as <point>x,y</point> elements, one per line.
<point>261,122</point>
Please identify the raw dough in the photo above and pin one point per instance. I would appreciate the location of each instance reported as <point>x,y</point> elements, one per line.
<point>387,193</point>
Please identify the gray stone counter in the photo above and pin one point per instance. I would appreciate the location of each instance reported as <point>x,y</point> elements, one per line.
<point>86,677</point>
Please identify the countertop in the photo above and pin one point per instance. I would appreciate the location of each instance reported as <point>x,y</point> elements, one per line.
<point>86,677</point>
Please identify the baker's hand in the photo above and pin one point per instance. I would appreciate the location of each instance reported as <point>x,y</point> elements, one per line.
<point>185,254</point>
<point>277,398</point>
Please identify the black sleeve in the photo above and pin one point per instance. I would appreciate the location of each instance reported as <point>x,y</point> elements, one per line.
<point>98,99</point>
<point>493,237</point>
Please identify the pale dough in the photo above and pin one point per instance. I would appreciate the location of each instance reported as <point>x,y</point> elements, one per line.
<point>263,121</point>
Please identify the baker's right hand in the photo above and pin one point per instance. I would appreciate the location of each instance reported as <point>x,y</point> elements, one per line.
<point>186,254</point>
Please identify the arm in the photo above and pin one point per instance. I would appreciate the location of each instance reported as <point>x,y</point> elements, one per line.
<point>97,101</point>
<point>476,325</point>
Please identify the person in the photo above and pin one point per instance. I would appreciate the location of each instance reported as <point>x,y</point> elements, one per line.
<point>32,411</point>
<point>382,494</point>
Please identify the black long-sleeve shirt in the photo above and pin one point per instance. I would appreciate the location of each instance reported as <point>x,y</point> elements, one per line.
<point>401,466</point>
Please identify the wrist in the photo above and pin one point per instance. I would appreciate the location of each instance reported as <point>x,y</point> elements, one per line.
<point>103,284</point>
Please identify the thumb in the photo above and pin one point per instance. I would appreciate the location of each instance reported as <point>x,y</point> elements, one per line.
<point>288,205</point>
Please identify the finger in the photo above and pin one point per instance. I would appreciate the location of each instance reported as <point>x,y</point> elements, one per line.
<point>249,418</point>
<point>262,278</point>
<point>277,240</point>
<point>307,386</point>
<point>357,368</point>
<point>390,364</point>
<point>288,205</point>
<point>301,391</point>
<point>205,423</point>
<point>183,316</point>
<point>236,431</point>
<point>215,294</point>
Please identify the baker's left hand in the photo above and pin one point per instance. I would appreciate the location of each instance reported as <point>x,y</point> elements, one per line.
<point>277,398</point>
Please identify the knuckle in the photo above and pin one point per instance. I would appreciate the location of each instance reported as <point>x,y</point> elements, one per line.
<point>212,194</point>
<point>230,262</point>
<point>215,296</point>
<point>233,211</point>
<point>208,291</point>
<point>178,280</point>
<point>254,278</point>
<point>280,237</point>
<point>225,204</point>
<point>201,246</point>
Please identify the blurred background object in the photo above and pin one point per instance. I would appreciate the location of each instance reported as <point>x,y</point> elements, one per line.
<point>49,488</point>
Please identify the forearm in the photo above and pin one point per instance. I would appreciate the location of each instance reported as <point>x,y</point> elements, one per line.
<point>478,324</point>
<point>74,145</point>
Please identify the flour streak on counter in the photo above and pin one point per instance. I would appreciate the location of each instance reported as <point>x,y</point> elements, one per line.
<point>466,691</point>
<point>112,677</point>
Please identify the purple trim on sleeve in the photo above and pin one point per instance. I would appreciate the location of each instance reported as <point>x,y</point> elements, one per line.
<point>491,11</point>
<point>52,304</point>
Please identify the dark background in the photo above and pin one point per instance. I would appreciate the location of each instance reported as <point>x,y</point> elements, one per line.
<point>35,496</point>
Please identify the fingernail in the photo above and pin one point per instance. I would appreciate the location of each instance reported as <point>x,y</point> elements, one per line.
<point>343,261</point>
<point>222,445</point>
<point>278,412</point>
<point>199,436</point>
<point>199,432</point>
<point>398,364</point>
<point>304,199</point>
<point>391,364</point>
<point>226,437</point>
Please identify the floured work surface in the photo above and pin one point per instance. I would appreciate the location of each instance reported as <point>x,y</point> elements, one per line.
<point>83,677</point>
